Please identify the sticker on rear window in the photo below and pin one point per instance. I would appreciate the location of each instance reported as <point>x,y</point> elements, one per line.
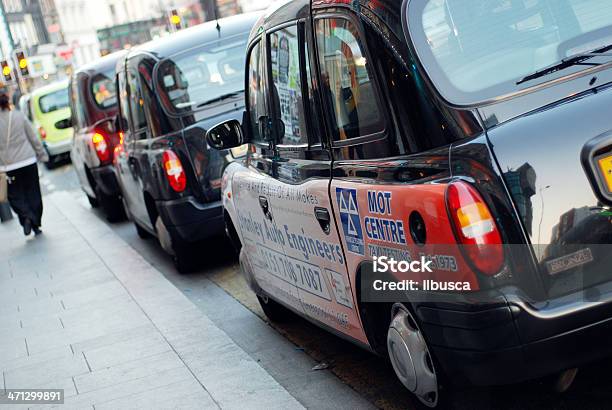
<point>349,216</point>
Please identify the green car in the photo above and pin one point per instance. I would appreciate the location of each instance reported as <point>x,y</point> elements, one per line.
<point>50,107</point>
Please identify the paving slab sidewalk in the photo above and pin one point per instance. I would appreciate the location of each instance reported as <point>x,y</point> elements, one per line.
<point>82,311</point>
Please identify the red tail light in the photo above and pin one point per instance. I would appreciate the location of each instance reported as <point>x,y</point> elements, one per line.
<point>174,171</point>
<point>42,132</point>
<point>102,147</point>
<point>475,227</point>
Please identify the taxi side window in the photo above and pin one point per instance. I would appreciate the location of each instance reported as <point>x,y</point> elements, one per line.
<point>311,101</point>
<point>124,104</point>
<point>154,115</point>
<point>347,88</point>
<point>256,105</point>
<point>137,112</point>
<point>77,107</point>
<point>287,98</point>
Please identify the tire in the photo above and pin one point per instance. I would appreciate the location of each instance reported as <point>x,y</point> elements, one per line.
<point>51,163</point>
<point>111,205</point>
<point>232,236</point>
<point>93,202</point>
<point>414,365</point>
<point>142,233</point>
<point>274,311</point>
<point>126,209</point>
<point>184,258</point>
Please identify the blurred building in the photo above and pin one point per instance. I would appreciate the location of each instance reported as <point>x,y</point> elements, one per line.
<point>5,43</point>
<point>226,8</point>
<point>52,22</point>
<point>82,19</point>
<point>33,27</point>
<point>125,35</point>
<point>95,27</point>
<point>25,23</point>
<point>254,5</point>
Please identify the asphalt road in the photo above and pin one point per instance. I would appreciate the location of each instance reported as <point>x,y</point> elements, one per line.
<point>353,378</point>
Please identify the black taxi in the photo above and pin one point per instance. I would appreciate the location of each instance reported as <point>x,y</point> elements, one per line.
<point>469,140</point>
<point>93,103</point>
<point>171,91</point>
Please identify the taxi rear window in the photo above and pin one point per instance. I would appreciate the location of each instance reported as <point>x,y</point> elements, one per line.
<point>103,90</point>
<point>479,50</point>
<point>203,76</point>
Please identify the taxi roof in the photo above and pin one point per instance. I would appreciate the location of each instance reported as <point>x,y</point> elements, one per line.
<point>280,12</point>
<point>198,35</point>
<point>49,88</point>
<point>102,64</point>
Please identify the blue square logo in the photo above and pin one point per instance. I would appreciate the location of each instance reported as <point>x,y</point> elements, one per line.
<point>349,216</point>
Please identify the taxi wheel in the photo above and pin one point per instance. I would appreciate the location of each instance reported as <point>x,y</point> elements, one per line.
<point>51,163</point>
<point>232,236</point>
<point>411,359</point>
<point>112,206</point>
<point>274,310</point>
<point>142,233</point>
<point>185,259</point>
<point>93,202</point>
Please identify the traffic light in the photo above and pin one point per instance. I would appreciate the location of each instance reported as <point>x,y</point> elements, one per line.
<point>175,19</point>
<point>6,71</point>
<point>22,61</point>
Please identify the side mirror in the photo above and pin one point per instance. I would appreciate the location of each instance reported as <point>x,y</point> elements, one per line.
<point>226,135</point>
<point>64,124</point>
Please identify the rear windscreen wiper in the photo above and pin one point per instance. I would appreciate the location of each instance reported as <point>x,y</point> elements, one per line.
<point>578,59</point>
<point>220,98</point>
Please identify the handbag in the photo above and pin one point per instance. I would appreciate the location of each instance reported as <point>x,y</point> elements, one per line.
<point>4,179</point>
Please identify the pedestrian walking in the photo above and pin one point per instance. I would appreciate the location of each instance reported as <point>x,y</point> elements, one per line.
<point>20,148</point>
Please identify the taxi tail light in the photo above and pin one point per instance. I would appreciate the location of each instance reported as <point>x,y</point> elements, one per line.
<point>173,168</point>
<point>475,228</point>
<point>43,133</point>
<point>102,146</point>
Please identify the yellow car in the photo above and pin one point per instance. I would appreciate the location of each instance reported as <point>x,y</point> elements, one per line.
<point>51,116</point>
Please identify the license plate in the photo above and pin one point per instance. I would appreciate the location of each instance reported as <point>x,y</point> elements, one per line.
<point>605,166</point>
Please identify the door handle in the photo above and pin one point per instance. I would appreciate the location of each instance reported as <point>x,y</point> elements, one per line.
<point>265,207</point>
<point>324,219</point>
